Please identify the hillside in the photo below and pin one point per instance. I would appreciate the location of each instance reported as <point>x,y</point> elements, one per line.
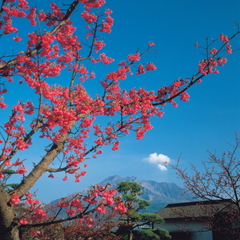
<point>159,194</point>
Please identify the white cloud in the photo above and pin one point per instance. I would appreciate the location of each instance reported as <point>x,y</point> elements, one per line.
<point>159,160</point>
<point>161,167</point>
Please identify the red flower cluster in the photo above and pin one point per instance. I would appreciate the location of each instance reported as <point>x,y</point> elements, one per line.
<point>15,200</point>
<point>224,38</point>
<point>38,215</point>
<point>134,57</point>
<point>21,170</point>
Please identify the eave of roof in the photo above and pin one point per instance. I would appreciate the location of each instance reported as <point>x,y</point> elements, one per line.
<point>199,209</point>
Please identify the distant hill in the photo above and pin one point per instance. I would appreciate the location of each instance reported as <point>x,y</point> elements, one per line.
<point>159,194</point>
<point>154,191</point>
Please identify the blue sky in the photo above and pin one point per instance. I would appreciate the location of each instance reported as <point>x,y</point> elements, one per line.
<point>207,122</point>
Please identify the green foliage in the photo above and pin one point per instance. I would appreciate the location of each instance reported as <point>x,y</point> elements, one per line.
<point>143,204</point>
<point>130,193</point>
<point>146,234</point>
<point>151,218</point>
<point>11,186</point>
<point>130,188</point>
<point>163,233</point>
<point>8,171</point>
<point>134,219</point>
<point>8,187</point>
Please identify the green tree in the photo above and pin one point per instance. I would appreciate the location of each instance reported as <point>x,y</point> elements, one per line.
<point>134,219</point>
<point>10,186</point>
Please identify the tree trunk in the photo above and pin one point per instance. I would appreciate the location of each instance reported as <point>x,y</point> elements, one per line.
<point>10,234</point>
<point>130,235</point>
<point>8,226</point>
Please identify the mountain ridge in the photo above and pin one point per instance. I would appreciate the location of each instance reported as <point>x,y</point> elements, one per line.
<point>159,194</point>
<point>153,191</point>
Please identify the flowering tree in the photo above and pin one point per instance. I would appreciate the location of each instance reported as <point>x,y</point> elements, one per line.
<point>64,115</point>
<point>103,228</point>
<point>94,223</point>
<point>219,185</point>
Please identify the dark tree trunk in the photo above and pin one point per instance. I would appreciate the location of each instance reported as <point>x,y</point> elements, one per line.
<point>10,234</point>
<point>8,225</point>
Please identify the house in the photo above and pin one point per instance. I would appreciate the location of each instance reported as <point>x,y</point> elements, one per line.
<point>202,220</point>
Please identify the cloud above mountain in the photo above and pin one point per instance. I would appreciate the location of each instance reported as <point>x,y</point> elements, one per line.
<point>160,160</point>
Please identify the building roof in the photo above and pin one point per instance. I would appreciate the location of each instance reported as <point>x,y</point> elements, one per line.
<point>199,209</point>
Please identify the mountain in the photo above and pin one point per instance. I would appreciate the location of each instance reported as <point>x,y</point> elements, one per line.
<point>159,194</point>
<point>154,191</point>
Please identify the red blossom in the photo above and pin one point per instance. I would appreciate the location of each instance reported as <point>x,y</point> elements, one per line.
<point>140,70</point>
<point>99,45</point>
<point>213,51</point>
<point>17,39</point>
<point>15,200</point>
<point>65,178</point>
<point>150,44</point>
<point>150,67</point>
<point>71,211</point>
<point>89,18</point>
<point>21,170</point>
<point>1,176</point>
<point>31,16</point>
<point>120,207</point>
<point>9,29</point>
<point>101,209</point>
<point>38,215</point>
<point>134,57</point>
<point>223,38</point>
<point>3,105</point>
<point>105,59</point>
<point>23,221</point>
<point>34,233</point>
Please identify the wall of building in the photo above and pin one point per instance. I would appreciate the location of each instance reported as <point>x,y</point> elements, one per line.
<point>187,230</point>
